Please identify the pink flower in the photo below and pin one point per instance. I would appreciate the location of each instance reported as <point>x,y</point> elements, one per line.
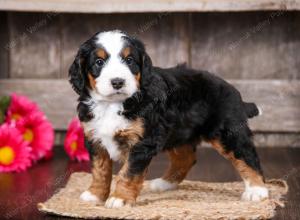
<point>14,152</point>
<point>20,107</point>
<point>74,142</point>
<point>38,133</point>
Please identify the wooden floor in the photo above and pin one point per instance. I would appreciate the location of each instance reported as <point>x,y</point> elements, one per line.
<point>19,193</point>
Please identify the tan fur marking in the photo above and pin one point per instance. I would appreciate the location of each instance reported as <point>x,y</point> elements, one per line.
<point>138,79</point>
<point>101,53</point>
<point>92,81</point>
<point>128,187</point>
<point>102,174</point>
<point>246,172</point>
<point>126,52</point>
<point>181,160</point>
<point>128,137</point>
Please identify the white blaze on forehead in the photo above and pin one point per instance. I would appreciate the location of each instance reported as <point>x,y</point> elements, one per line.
<point>112,41</point>
<point>115,67</point>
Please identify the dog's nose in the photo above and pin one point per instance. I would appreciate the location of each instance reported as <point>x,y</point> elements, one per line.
<point>117,83</point>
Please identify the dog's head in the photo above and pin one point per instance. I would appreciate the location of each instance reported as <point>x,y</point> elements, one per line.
<point>110,66</point>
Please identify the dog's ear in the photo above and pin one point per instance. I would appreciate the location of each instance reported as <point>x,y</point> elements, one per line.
<point>144,59</point>
<point>146,70</point>
<point>77,71</point>
<point>147,64</point>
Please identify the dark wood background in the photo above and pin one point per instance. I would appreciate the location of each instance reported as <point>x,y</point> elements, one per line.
<point>256,51</point>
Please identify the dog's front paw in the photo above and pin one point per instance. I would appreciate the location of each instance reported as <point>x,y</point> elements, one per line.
<point>115,202</point>
<point>255,193</point>
<point>88,197</point>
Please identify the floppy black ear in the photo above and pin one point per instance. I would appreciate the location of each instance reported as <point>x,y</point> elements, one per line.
<point>76,73</point>
<point>146,70</point>
<point>147,64</point>
<point>144,60</point>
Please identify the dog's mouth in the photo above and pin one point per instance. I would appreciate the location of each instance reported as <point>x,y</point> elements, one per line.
<point>118,95</point>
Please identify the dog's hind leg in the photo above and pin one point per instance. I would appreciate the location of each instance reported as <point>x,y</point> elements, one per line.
<point>239,149</point>
<point>181,161</point>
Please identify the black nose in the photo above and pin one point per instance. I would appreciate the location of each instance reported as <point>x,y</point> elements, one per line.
<point>117,83</point>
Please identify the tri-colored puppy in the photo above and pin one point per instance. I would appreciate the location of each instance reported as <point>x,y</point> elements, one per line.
<point>131,110</point>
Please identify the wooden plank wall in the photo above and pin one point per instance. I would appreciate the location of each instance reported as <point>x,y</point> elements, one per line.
<point>142,6</point>
<point>247,45</point>
<point>4,38</point>
<point>257,51</point>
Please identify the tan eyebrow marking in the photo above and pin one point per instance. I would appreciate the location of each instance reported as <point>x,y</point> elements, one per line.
<point>101,53</point>
<point>126,51</point>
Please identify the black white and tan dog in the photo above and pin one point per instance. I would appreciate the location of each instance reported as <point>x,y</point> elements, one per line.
<point>131,110</point>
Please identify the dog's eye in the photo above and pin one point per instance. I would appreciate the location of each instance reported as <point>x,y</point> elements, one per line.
<point>129,60</point>
<point>100,62</point>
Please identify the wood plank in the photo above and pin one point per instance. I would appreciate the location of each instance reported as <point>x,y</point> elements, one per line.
<point>117,6</point>
<point>4,38</point>
<point>256,45</point>
<point>279,100</point>
<point>34,45</point>
<point>161,33</point>
<point>282,139</point>
<point>260,45</point>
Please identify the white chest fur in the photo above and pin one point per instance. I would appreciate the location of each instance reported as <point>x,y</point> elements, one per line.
<point>104,125</point>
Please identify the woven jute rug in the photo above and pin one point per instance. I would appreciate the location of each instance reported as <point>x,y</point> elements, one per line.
<point>192,200</point>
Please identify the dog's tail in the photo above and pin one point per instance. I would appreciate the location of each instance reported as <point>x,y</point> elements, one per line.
<point>251,109</point>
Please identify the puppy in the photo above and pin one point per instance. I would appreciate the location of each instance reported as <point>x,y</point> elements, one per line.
<point>131,110</point>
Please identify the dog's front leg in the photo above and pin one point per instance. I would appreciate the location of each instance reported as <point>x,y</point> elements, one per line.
<point>102,175</point>
<point>129,181</point>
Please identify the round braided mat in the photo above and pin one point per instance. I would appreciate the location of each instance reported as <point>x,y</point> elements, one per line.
<point>192,200</point>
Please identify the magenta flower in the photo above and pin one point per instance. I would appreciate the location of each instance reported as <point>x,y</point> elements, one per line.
<point>74,142</point>
<point>20,107</point>
<point>14,151</point>
<point>38,133</point>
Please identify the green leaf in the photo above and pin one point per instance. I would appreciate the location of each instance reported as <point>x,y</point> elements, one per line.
<point>4,104</point>
<point>1,118</point>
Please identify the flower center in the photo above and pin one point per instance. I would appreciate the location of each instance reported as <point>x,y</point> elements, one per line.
<point>16,116</point>
<point>7,155</point>
<point>74,145</point>
<point>28,135</point>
